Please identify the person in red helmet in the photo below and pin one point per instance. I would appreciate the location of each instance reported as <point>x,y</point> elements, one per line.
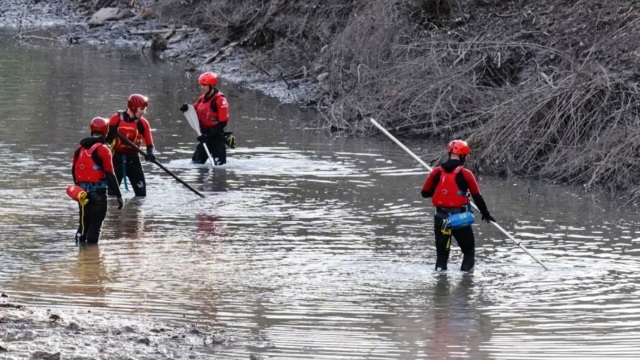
<point>92,170</point>
<point>212,108</point>
<point>134,127</point>
<point>449,186</point>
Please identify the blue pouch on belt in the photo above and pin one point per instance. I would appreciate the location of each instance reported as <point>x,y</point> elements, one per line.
<point>460,220</point>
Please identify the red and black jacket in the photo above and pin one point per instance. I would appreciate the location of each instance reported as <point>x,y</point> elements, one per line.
<point>133,129</point>
<point>450,184</point>
<point>92,165</point>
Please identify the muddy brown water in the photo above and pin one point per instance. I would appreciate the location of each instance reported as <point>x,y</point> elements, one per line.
<point>306,245</point>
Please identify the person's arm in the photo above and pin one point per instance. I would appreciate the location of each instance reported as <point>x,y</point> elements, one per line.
<point>429,186</point>
<point>114,120</point>
<point>474,190</point>
<point>107,167</point>
<point>223,109</point>
<point>148,140</point>
<point>73,164</point>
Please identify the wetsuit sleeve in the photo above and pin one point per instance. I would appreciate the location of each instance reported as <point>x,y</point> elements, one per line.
<point>114,120</point>
<point>429,186</point>
<point>482,206</point>
<point>474,190</point>
<point>73,164</point>
<point>148,138</point>
<point>472,184</point>
<point>223,109</point>
<point>105,158</point>
<point>107,166</point>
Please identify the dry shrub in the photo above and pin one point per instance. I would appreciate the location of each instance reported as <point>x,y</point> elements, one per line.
<point>582,128</point>
<point>426,68</point>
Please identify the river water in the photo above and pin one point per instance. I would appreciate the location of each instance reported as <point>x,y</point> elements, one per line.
<point>306,245</point>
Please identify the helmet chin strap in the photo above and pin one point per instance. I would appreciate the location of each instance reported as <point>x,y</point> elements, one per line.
<point>463,158</point>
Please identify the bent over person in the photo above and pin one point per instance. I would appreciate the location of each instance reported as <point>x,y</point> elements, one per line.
<point>92,170</point>
<point>449,186</point>
<point>134,127</point>
<point>212,108</point>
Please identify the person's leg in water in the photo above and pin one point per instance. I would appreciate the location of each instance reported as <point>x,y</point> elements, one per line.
<point>466,241</point>
<point>199,155</point>
<point>117,168</point>
<point>443,245</point>
<point>135,174</point>
<point>95,212</point>
<point>218,149</point>
<point>81,234</point>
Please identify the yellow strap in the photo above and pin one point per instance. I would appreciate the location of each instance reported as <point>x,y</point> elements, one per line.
<point>82,217</point>
<point>82,198</point>
<point>447,232</point>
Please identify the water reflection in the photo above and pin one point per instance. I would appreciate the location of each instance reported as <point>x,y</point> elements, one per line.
<point>455,330</point>
<point>93,278</point>
<point>129,222</point>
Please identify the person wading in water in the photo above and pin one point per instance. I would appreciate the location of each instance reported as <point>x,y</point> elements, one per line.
<point>212,108</point>
<point>134,127</point>
<point>92,171</point>
<point>449,186</point>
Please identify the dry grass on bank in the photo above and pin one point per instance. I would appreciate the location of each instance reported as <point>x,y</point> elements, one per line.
<point>486,71</point>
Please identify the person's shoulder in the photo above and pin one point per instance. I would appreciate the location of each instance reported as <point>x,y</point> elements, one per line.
<point>144,120</point>
<point>436,171</point>
<point>467,172</point>
<point>113,119</point>
<point>103,149</point>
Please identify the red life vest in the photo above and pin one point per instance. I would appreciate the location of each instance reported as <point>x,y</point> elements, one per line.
<point>132,130</point>
<point>447,193</point>
<point>208,111</point>
<point>86,170</point>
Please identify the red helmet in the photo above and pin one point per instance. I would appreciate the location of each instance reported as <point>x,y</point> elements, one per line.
<point>137,101</point>
<point>99,125</point>
<point>459,147</point>
<point>208,78</point>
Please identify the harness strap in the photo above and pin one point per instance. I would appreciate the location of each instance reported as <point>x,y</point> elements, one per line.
<point>91,187</point>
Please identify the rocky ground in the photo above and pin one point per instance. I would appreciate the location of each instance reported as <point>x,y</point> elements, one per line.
<point>42,334</point>
<point>54,334</point>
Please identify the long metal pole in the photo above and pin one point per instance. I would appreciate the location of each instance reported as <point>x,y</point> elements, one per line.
<point>130,143</point>
<point>517,242</point>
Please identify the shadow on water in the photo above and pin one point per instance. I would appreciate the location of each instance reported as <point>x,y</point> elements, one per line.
<point>305,246</point>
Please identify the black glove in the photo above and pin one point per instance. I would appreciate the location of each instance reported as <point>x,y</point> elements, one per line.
<point>202,138</point>
<point>487,217</point>
<point>184,107</point>
<point>120,202</point>
<point>150,157</point>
